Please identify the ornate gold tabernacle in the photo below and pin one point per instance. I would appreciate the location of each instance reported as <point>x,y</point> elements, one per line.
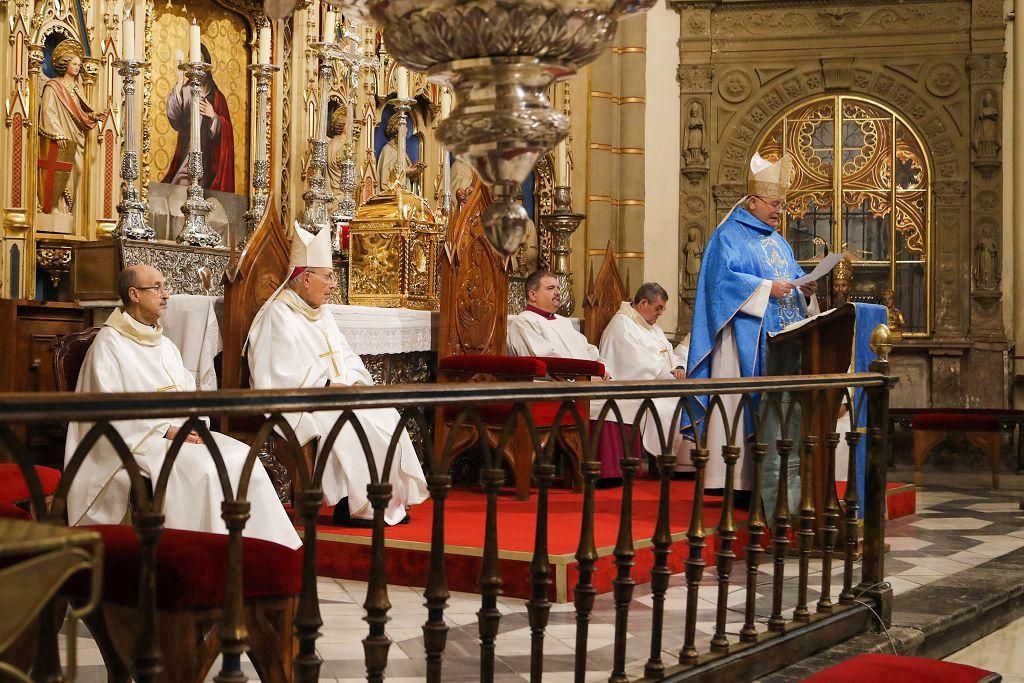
<point>393,258</point>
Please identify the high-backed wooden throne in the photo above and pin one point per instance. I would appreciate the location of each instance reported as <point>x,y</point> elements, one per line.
<point>472,327</point>
<point>604,297</point>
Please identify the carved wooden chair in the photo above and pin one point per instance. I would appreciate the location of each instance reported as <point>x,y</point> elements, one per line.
<point>190,585</point>
<point>247,286</point>
<point>472,328</point>
<point>604,297</point>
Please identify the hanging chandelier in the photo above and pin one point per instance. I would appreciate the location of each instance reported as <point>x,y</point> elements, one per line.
<point>500,57</point>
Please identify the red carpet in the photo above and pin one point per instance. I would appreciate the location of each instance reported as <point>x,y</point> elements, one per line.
<point>345,552</point>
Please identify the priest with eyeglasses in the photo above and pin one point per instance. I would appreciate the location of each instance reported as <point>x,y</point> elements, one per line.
<point>131,354</point>
<point>293,343</point>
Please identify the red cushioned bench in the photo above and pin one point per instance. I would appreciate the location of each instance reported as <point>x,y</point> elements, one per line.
<point>983,427</point>
<point>894,669</point>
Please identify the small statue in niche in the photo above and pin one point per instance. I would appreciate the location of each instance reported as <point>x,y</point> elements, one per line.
<point>692,252</point>
<point>388,162</point>
<point>986,128</point>
<point>695,150</point>
<point>896,320</point>
<point>987,273</point>
<point>337,149</point>
<point>527,257</point>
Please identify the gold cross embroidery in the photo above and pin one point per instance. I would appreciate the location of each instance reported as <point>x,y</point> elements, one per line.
<point>169,387</point>
<point>330,353</point>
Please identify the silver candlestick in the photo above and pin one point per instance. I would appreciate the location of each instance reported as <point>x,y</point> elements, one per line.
<point>264,74</point>
<point>562,223</point>
<point>197,232</point>
<point>133,221</point>
<point>318,196</point>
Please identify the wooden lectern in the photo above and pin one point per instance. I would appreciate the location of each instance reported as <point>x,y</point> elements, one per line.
<point>820,346</point>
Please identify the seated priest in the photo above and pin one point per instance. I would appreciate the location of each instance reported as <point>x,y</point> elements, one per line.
<point>635,348</point>
<point>539,331</point>
<point>744,293</point>
<point>130,354</point>
<point>295,342</point>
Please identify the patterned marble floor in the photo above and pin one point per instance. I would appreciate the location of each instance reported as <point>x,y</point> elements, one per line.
<point>960,524</point>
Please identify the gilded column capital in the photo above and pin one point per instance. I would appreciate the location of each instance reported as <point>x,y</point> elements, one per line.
<point>35,58</point>
<point>90,70</point>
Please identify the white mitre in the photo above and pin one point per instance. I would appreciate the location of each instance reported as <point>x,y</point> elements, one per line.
<point>768,180</point>
<point>310,250</point>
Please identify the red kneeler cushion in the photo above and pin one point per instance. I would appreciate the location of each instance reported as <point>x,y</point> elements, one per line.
<point>573,366</point>
<point>956,421</point>
<point>14,488</point>
<point>893,669</point>
<point>498,365</point>
<point>543,413</point>
<point>12,511</point>
<point>191,568</point>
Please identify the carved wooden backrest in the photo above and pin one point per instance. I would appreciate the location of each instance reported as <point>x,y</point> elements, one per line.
<point>474,284</point>
<point>604,297</point>
<point>260,269</point>
<point>68,356</point>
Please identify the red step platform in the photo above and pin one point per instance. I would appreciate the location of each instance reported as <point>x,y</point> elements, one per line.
<point>344,552</point>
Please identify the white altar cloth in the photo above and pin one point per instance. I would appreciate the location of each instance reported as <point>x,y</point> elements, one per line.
<point>191,322</point>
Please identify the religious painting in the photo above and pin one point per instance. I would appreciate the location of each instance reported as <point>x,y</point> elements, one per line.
<point>224,110</point>
<point>65,123</point>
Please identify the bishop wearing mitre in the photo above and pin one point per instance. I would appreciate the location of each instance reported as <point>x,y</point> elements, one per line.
<point>635,348</point>
<point>294,342</point>
<point>130,354</point>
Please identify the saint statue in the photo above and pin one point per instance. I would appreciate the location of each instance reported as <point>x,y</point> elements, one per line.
<point>695,151</point>
<point>692,251</point>
<point>64,122</point>
<point>463,176</point>
<point>896,320</point>
<point>216,137</point>
<point>986,128</point>
<point>387,162</point>
<point>986,254</point>
<point>529,251</point>
<point>337,149</point>
<point>842,279</point>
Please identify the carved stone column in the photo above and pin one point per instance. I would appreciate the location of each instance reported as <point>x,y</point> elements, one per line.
<point>698,209</point>
<point>986,75</point>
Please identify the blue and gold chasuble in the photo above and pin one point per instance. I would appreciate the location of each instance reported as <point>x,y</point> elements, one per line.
<point>741,253</point>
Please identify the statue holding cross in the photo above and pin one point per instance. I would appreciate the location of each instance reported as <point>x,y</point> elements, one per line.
<point>64,122</point>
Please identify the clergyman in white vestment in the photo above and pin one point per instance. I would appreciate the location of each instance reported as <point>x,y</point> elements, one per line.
<point>130,354</point>
<point>539,331</point>
<point>635,348</point>
<point>295,342</point>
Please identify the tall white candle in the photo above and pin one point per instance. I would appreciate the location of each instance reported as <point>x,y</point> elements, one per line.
<point>561,172</point>
<point>402,82</point>
<point>264,44</point>
<point>128,38</point>
<point>330,27</point>
<point>446,104</point>
<point>195,54</point>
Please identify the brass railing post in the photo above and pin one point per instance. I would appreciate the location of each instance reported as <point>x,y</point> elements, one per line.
<point>695,536</point>
<point>660,573</point>
<point>146,653</point>
<point>780,536</point>
<point>233,633</point>
<point>489,617</point>
<point>756,524</point>
<point>623,583</point>
<point>435,631</point>
<point>307,619</point>
<point>376,644</point>
<point>539,606</point>
<point>873,583</point>
<point>586,558</point>
<point>830,530</point>
<point>805,534</point>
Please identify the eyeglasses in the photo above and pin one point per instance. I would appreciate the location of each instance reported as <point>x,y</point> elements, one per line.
<point>777,204</point>
<point>330,277</point>
<point>162,288</point>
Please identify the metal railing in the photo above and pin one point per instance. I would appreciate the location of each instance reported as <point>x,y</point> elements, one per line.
<point>756,651</point>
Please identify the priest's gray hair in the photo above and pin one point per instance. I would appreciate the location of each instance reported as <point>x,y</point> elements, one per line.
<point>651,291</point>
<point>532,283</point>
<point>128,278</point>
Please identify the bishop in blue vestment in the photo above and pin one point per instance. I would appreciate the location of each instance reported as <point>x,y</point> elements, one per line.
<point>744,292</point>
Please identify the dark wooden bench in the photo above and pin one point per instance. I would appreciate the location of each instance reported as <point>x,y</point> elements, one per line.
<point>984,427</point>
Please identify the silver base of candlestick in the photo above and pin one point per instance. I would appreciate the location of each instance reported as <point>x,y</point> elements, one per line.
<point>197,232</point>
<point>133,213</point>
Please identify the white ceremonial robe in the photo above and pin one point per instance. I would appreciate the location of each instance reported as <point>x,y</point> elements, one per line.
<point>99,493</point>
<point>725,362</point>
<point>531,334</point>
<point>635,350</point>
<point>293,345</point>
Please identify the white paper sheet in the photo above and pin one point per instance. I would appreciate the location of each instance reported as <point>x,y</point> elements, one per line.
<point>821,270</point>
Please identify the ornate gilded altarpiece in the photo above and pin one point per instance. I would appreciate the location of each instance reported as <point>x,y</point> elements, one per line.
<point>893,111</point>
